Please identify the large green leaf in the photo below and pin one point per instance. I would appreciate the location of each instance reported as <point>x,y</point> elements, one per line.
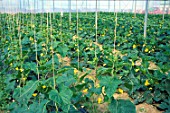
<point>23,94</point>
<point>38,107</point>
<point>122,106</point>
<point>66,79</point>
<point>62,97</point>
<point>110,84</point>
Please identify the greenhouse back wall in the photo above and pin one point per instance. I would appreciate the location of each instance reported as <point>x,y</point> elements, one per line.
<point>84,56</point>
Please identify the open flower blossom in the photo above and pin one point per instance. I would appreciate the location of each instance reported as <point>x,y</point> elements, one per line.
<point>21,70</point>
<point>150,88</point>
<point>17,68</point>
<point>41,54</point>
<point>147,83</point>
<point>23,79</point>
<point>75,71</point>
<point>44,86</point>
<point>75,37</point>
<point>134,46</point>
<point>31,39</point>
<point>34,94</point>
<point>146,50</point>
<point>136,70</point>
<point>80,29</point>
<point>85,91</point>
<point>99,100</point>
<point>120,91</point>
<point>133,63</point>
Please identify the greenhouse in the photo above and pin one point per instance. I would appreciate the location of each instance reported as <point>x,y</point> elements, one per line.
<point>84,56</point>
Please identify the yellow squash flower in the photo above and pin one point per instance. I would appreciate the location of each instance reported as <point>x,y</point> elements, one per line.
<point>34,94</point>
<point>133,63</point>
<point>100,47</point>
<point>147,83</point>
<point>41,54</point>
<point>134,46</point>
<point>146,50</point>
<point>31,39</point>
<point>77,50</point>
<point>85,91</point>
<point>103,35</point>
<point>32,25</point>
<point>11,64</point>
<point>75,37</point>
<point>21,70</point>
<point>43,86</point>
<point>99,100</point>
<point>17,68</point>
<point>51,47</point>
<point>75,71</point>
<point>150,88</point>
<point>23,79</point>
<point>80,29</point>
<point>120,91</point>
<point>123,26</point>
<point>136,70</point>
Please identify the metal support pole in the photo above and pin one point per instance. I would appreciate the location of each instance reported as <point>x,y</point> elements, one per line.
<point>34,6</point>
<point>86,7</point>
<point>109,5</point>
<point>42,7</point>
<point>53,6</point>
<point>114,6</point>
<point>146,18</point>
<point>37,5</point>
<point>119,6</point>
<point>28,5</point>
<point>164,10</point>
<point>132,5</point>
<point>20,6</point>
<point>69,5</point>
<point>135,9</point>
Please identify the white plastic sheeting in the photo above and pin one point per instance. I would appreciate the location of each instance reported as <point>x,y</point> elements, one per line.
<point>13,6</point>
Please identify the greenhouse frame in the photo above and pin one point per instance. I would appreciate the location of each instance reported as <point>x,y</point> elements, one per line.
<point>85,56</point>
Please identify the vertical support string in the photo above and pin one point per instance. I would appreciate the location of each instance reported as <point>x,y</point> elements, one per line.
<point>77,16</point>
<point>47,29</point>
<point>114,51</point>
<point>52,53</point>
<point>96,18</point>
<point>35,43</point>
<point>17,22</point>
